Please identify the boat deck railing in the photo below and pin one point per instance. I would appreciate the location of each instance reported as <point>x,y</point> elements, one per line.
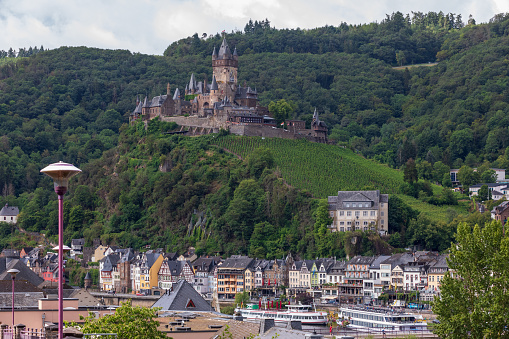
<point>381,310</point>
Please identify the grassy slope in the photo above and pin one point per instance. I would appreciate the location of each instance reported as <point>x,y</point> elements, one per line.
<point>325,169</point>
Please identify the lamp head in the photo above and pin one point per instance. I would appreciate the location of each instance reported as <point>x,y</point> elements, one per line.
<point>13,272</point>
<point>60,172</point>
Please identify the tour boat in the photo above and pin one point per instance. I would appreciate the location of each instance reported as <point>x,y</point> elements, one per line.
<point>378,319</point>
<point>303,313</point>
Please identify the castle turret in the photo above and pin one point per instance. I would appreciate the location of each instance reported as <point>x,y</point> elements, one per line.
<point>192,84</point>
<point>176,95</point>
<point>319,128</point>
<point>168,89</point>
<point>88,280</point>
<point>214,54</point>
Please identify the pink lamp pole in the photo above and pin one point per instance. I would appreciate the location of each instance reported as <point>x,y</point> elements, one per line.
<point>60,172</point>
<point>13,273</point>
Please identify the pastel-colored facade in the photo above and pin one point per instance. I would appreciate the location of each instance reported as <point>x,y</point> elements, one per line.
<point>230,276</point>
<point>357,270</point>
<point>99,253</point>
<point>397,277</point>
<point>411,277</point>
<point>335,273</point>
<point>107,271</point>
<point>436,273</point>
<point>203,269</point>
<point>359,210</point>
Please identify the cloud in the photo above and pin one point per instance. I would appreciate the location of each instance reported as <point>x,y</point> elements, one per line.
<point>149,26</point>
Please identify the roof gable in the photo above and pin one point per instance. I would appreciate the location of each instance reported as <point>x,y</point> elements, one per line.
<point>182,298</point>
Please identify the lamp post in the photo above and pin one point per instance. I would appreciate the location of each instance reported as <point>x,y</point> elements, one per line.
<point>60,172</point>
<point>13,273</point>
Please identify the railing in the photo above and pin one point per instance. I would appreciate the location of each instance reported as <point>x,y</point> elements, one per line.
<point>32,334</point>
<point>8,333</point>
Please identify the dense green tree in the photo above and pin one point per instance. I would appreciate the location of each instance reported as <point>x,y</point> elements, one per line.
<point>128,322</point>
<point>484,193</point>
<point>322,220</point>
<point>241,298</point>
<point>281,110</point>
<point>489,176</point>
<point>473,294</point>
<point>467,177</point>
<point>260,159</point>
<point>410,171</point>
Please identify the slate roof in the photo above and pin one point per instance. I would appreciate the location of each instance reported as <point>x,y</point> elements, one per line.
<point>361,260</point>
<point>25,273</point>
<point>176,96</point>
<point>214,87</point>
<point>441,262</point>
<point>9,211</point>
<point>237,262</point>
<point>376,263</point>
<point>224,51</point>
<point>205,264</point>
<point>245,92</point>
<point>500,208</point>
<point>181,298</point>
<point>336,202</point>
<point>398,259</point>
<point>78,242</point>
<point>110,261</point>
<point>316,121</point>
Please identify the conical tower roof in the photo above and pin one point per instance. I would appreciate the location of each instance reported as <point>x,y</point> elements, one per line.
<point>224,51</point>
<point>214,53</point>
<point>176,96</point>
<point>214,87</point>
<point>192,82</point>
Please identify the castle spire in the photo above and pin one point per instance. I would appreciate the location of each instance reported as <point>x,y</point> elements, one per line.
<point>192,84</point>
<point>315,116</point>
<point>224,51</point>
<point>214,53</point>
<point>176,96</point>
<point>214,87</point>
<point>168,89</point>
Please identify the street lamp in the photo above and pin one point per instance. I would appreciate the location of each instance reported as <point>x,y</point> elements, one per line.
<point>13,273</point>
<point>60,172</point>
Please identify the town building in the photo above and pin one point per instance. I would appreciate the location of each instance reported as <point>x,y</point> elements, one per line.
<point>501,212</point>
<point>359,210</point>
<point>356,271</point>
<point>436,272</point>
<point>230,276</point>
<point>9,214</point>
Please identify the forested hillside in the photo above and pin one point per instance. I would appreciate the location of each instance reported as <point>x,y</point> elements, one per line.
<point>70,103</point>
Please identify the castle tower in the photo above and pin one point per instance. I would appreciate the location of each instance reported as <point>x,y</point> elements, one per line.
<point>88,280</point>
<point>225,65</point>
<point>168,89</point>
<point>214,90</point>
<point>319,128</point>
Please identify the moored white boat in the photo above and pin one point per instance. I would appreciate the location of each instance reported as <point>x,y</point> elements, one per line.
<point>303,313</point>
<point>376,319</point>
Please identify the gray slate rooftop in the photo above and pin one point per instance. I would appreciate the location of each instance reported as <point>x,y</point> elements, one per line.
<point>183,298</point>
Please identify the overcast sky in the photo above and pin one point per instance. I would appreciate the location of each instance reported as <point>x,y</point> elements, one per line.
<point>149,26</point>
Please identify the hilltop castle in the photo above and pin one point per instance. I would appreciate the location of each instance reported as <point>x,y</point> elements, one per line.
<point>206,108</point>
